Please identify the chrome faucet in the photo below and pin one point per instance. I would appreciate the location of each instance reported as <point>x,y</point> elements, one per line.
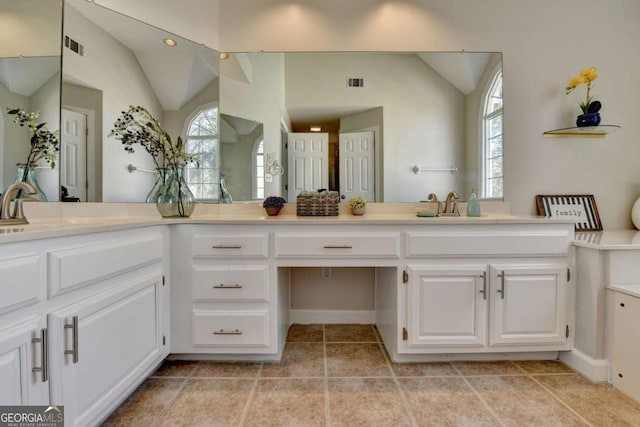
<point>451,205</point>
<point>5,204</point>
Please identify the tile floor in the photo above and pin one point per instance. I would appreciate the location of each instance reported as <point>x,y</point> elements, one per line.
<point>340,375</point>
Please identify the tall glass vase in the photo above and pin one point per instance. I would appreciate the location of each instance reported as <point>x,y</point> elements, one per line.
<point>161,174</point>
<point>175,199</point>
<point>27,173</point>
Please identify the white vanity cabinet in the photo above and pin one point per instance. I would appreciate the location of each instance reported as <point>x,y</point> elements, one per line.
<point>623,318</point>
<point>23,329</point>
<point>481,289</point>
<point>223,292</point>
<point>102,303</point>
<point>475,306</point>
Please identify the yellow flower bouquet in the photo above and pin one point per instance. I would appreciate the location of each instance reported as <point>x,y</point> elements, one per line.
<point>589,107</point>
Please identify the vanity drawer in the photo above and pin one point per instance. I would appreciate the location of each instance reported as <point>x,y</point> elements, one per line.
<point>230,246</point>
<point>343,245</point>
<point>75,267</point>
<point>231,328</point>
<point>490,242</point>
<point>230,284</point>
<point>21,282</point>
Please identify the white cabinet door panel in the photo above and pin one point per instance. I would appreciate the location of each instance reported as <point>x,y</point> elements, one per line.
<point>447,307</point>
<point>528,304</point>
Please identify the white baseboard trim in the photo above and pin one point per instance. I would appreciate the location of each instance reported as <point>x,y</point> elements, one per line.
<point>595,369</point>
<point>332,316</point>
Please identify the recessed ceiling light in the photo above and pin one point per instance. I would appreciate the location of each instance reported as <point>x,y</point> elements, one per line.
<point>170,42</point>
<point>315,128</point>
<point>224,55</point>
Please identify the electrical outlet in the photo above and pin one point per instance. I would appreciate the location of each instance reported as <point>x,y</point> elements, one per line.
<point>326,272</point>
<point>269,158</point>
<point>268,177</point>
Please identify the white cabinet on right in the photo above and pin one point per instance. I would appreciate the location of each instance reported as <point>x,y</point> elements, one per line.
<point>476,308</point>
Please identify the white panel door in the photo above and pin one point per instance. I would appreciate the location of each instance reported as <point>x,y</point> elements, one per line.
<point>115,338</point>
<point>357,166</point>
<point>73,154</point>
<point>308,160</point>
<point>447,306</point>
<point>22,352</point>
<point>528,304</point>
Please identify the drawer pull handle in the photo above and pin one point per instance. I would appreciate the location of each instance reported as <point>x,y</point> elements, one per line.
<point>226,247</point>
<point>74,328</point>
<point>223,286</point>
<point>338,247</point>
<point>501,290</point>
<point>44,355</point>
<point>483,291</point>
<point>223,332</point>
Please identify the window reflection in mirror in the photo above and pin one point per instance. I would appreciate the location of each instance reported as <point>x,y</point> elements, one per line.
<point>29,79</point>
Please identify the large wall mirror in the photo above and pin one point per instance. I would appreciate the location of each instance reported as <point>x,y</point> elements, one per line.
<point>29,79</point>
<point>422,122</point>
<point>388,126</point>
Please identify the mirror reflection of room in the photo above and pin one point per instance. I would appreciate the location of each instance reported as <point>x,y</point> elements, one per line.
<point>29,80</point>
<point>111,62</point>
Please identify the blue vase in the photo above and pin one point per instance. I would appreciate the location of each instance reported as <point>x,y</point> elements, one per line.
<point>588,119</point>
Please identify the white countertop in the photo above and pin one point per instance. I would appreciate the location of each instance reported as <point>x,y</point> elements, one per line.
<point>633,290</point>
<point>608,240</point>
<point>48,220</point>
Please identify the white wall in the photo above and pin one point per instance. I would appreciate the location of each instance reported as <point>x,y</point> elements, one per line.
<point>109,66</point>
<point>30,27</point>
<point>544,44</point>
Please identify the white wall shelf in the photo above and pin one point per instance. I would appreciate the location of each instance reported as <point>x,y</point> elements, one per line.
<point>582,132</point>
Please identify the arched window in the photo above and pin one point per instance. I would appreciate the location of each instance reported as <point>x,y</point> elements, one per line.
<point>258,170</point>
<point>492,157</point>
<point>202,137</point>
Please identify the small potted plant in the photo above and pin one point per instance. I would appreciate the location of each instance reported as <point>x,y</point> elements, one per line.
<point>357,205</point>
<point>273,204</point>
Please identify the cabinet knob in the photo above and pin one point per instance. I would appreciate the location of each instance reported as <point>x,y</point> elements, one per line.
<point>620,375</point>
<point>621,304</point>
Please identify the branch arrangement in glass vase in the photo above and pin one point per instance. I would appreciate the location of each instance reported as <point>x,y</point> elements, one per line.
<point>45,144</point>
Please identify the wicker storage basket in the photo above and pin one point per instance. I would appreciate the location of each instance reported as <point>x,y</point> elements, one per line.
<point>312,203</point>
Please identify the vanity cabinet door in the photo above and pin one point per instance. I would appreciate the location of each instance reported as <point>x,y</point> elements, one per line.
<point>528,304</point>
<point>447,306</point>
<point>22,355</point>
<point>103,346</point>
<point>625,352</point>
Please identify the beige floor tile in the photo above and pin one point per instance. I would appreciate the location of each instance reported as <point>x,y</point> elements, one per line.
<point>305,333</point>
<point>543,366</point>
<point>300,359</point>
<point>431,369</point>
<point>366,402</point>
<point>350,333</point>
<point>227,369</point>
<point>288,402</point>
<point>600,404</point>
<point>487,368</point>
<point>175,368</point>
<point>356,360</point>
<point>445,402</point>
<point>146,403</point>
<point>519,400</point>
<point>209,402</point>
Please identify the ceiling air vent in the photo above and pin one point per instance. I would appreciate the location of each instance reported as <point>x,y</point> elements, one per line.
<point>73,45</point>
<point>355,82</point>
